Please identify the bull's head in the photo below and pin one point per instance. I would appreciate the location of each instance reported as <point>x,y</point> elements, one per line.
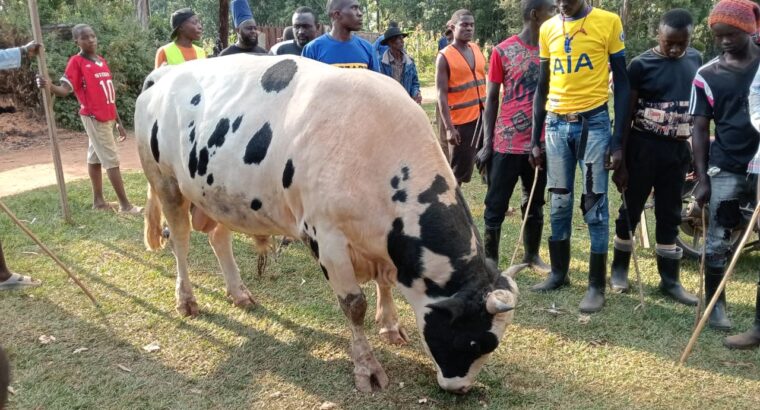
<point>461,331</point>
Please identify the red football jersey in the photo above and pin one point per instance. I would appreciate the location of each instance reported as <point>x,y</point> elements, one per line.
<point>93,87</point>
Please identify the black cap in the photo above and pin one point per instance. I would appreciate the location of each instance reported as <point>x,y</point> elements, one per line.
<point>179,17</point>
<point>390,33</point>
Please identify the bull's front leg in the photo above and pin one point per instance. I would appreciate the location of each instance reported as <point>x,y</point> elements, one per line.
<point>177,217</point>
<point>220,239</point>
<point>387,317</point>
<point>368,373</point>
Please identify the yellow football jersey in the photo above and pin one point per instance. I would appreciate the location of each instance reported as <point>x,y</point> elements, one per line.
<point>578,59</point>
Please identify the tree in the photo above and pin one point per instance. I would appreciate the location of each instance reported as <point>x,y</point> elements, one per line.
<point>142,10</point>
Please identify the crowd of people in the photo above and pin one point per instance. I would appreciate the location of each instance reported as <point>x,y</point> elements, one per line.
<point>533,112</point>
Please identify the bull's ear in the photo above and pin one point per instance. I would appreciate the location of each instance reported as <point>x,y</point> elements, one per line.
<point>497,302</point>
<point>452,306</point>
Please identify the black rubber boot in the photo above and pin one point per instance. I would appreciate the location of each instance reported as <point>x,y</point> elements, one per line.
<point>751,338</point>
<point>593,301</point>
<point>621,261</point>
<point>718,317</point>
<point>531,244</point>
<point>559,254</point>
<point>491,238</point>
<point>669,265</point>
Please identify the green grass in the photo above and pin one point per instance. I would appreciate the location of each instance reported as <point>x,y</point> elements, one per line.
<point>291,351</point>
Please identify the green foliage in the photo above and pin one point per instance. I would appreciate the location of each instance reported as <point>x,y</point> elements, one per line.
<point>128,49</point>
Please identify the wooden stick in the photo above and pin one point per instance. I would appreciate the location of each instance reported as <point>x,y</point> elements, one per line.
<point>47,103</point>
<point>633,253</point>
<point>48,251</point>
<point>726,276</point>
<point>525,218</point>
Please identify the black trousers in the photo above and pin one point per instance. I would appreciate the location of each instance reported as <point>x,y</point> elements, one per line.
<point>503,173</point>
<point>661,164</point>
<point>462,156</point>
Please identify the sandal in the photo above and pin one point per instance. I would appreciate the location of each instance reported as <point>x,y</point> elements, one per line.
<point>134,210</point>
<point>17,281</point>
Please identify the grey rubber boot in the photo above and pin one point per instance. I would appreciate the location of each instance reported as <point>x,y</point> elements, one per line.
<point>669,265</point>
<point>751,338</point>
<point>718,317</point>
<point>593,301</point>
<point>621,261</point>
<point>491,238</point>
<point>559,255</point>
<point>531,244</point>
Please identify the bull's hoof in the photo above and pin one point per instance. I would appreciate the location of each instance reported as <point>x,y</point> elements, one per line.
<point>243,299</point>
<point>370,377</point>
<point>188,308</point>
<point>395,336</point>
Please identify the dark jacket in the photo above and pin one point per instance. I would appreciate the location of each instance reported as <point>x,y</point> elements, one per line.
<point>410,81</point>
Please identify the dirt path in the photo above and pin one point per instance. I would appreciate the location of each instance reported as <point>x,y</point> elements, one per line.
<point>26,161</point>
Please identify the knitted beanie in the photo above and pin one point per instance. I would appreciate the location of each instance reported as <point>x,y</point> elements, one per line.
<point>742,14</point>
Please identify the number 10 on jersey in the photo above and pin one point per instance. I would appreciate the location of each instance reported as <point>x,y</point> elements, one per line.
<point>108,90</point>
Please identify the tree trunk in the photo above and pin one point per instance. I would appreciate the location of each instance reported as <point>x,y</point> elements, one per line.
<point>625,12</point>
<point>142,9</point>
<point>224,23</point>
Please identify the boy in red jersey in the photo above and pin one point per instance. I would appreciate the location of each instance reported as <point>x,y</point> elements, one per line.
<point>88,76</point>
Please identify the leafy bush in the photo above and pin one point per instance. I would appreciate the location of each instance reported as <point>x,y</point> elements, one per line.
<point>128,49</point>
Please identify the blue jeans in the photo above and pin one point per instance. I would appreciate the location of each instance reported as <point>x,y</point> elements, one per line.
<point>564,149</point>
<point>729,191</point>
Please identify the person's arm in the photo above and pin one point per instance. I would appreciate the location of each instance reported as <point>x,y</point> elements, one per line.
<point>160,58</point>
<point>62,90</point>
<point>489,123</point>
<point>539,112</point>
<point>416,93</point>
<point>620,175</point>
<point>622,103</point>
<point>442,86</point>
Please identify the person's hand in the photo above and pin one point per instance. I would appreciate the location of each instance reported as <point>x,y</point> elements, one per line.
<point>620,178</point>
<point>32,48</point>
<point>418,98</point>
<point>535,157</point>
<point>122,132</point>
<point>41,82</point>
<point>614,161</point>
<point>703,191</point>
<point>452,135</point>
<point>483,157</point>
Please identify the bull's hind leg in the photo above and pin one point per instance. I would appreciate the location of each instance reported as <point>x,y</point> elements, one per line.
<point>333,255</point>
<point>176,211</point>
<point>220,239</point>
<point>387,317</point>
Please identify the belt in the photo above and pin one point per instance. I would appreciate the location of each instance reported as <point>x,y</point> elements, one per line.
<point>576,116</point>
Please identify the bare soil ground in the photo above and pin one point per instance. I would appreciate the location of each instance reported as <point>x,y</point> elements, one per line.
<point>26,161</point>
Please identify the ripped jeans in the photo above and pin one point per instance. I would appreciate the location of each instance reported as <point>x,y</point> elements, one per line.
<point>729,192</point>
<point>565,148</point>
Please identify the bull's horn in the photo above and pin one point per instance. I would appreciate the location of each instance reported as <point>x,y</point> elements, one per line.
<point>513,270</point>
<point>495,305</point>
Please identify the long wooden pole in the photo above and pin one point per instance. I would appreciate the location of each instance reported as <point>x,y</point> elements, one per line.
<point>729,272</point>
<point>525,218</point>
<point>47,251</point>
<point>47,103</point>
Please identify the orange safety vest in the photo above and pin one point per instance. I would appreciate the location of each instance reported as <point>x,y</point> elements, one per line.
<point>467,87</point>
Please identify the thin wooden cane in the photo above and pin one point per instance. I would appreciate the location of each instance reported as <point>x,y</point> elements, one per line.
<point>525,218</point>
<point>721,287</point>
<point>47,103</point>
<point>48,251</point>
<point>633,253</point>
<point>701,294</point>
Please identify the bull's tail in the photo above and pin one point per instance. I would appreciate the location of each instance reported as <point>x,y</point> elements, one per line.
<point>152,232</point>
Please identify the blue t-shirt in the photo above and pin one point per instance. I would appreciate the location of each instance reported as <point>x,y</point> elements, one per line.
<point>355,53</point>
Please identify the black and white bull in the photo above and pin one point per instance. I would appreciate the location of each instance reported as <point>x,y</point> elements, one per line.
<point>343,160</point>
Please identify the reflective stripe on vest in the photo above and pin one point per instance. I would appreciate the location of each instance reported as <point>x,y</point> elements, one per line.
<point>174,54</point>
<point>467,87</point>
